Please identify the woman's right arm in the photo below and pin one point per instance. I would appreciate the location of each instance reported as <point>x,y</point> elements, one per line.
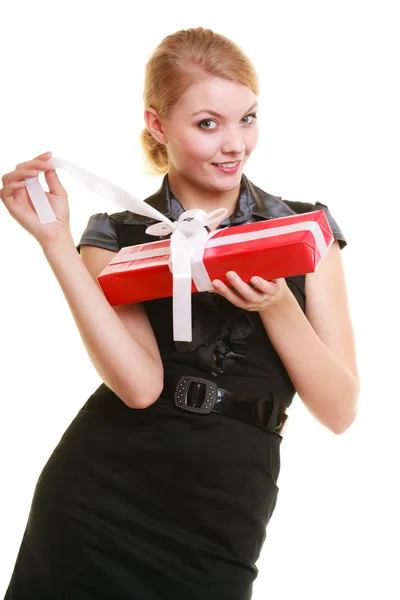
<point>119,340</point>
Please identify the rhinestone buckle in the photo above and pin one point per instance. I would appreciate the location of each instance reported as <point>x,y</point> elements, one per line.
<point>182,389</point>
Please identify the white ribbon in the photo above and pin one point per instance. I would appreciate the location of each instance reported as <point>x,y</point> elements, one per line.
<point>233,238</point>
<point>94,183</point>
<point>188,239</point>
<point>188,236</point>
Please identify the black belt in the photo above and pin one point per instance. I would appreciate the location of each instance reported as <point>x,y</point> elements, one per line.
<point>202,396</point>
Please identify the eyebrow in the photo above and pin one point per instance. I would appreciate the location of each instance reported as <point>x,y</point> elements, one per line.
<point>218,115</point>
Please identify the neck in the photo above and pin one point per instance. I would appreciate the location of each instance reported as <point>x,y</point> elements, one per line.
<point>190,195</point>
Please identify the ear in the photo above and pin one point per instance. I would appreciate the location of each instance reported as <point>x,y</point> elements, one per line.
<point>154,125</point>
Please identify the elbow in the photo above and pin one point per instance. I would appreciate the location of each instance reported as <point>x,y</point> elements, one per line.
<point>348,417</point>
<point>144,398</point>
<point>345,425</point>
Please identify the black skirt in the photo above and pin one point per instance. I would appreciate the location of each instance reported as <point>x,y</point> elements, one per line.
<point>149,504</point>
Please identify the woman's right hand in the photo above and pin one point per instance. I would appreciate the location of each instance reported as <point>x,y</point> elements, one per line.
<point>18,203</point>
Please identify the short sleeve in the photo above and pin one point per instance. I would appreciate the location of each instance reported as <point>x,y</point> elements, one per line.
<point>100,231</point>
<point>337,232</point>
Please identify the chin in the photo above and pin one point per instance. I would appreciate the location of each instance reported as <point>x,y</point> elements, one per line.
<point>225,183</point>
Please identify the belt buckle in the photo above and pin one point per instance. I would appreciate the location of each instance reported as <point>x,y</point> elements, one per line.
<point>181,391</point>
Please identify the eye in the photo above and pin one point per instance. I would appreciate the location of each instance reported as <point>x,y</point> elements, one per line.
<point>206,124</point>
<point>252,118</point>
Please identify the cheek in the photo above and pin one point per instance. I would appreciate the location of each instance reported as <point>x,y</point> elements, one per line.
<point>251,139</point>
<point>197,146</point>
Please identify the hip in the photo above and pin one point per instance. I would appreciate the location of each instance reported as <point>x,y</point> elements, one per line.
<point>197,485</point>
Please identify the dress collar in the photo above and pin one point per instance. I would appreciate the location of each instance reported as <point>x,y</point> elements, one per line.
<point>252,202</point>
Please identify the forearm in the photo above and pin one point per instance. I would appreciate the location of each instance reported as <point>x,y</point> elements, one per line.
<point>325,385</point>
<point>120,360</point>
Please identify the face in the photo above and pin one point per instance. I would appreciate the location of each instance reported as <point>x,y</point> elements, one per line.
<point>211,133</point>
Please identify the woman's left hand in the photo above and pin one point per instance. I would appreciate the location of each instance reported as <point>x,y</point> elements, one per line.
<point>265,294</point>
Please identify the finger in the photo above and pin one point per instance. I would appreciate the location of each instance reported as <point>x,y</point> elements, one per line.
<point>44,156</point>
<point>26,170</point>
<point>246,291</point>
<point>6,194</point>
<point>228,293</point>
<point>40,165</point>
<point>14,185</point>
<point>18,175</point>
<point>266,287</point>
<point>54,184</point>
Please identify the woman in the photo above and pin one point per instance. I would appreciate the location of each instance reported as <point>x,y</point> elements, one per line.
<point>144,497</point>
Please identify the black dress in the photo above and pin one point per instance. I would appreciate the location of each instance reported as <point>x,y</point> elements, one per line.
<point>160,503</point>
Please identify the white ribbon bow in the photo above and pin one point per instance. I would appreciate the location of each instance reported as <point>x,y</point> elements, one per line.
<point>188,237</point>
<point>188,240</point>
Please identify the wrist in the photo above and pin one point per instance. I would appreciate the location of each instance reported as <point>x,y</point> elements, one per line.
<point>63,242</point>
<point>284,307</point>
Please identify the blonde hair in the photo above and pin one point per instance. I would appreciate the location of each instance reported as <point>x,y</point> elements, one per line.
<point>180,59</point>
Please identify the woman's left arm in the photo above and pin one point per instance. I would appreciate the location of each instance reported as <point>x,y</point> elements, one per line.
<point>317,348</point>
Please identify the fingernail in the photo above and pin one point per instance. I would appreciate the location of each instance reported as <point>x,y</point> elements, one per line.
<point>231,275</point>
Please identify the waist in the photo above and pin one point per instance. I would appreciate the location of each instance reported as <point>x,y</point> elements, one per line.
<point>203,396</point>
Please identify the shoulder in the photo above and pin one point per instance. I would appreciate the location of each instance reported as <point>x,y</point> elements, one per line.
<point>268,206</point>
<point>125,228</point>
<point>100,231</point>
<point>301,207</point>
<point>115,231</point>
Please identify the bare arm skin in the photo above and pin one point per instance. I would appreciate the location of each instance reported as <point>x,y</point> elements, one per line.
<point>318,348</point>
<point>119,340</point>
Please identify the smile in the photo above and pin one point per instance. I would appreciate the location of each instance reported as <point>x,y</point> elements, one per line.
<point>228,167</point>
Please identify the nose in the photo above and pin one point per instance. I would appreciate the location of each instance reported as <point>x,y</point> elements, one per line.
<point>233,142</point>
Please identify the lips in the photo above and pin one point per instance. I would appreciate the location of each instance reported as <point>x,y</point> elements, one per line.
<point>228,168</point>
<point>227,165</point>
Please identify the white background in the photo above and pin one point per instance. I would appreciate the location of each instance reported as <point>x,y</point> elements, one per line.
<point>71,82</point>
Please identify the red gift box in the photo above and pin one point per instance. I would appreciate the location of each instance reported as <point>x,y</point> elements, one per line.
<point>271,249</point>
